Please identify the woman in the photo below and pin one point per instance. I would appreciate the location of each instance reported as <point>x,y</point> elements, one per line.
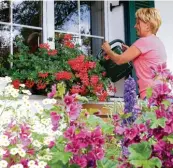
<point>147,51</point>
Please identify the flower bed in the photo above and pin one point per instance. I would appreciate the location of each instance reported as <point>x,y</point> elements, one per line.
<point>65,135</point>
<point>43,69</point>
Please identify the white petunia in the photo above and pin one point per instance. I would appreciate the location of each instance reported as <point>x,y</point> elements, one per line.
<point>36,143</point>
<point>14,151</point>
<point>2,152</point>
<point>47,157</point>
<point>5,143</point>
<point>36,103</point>
<point>27,92</point>
<point>8,79</point>
<point>14,94</point>
<point>53,101</point>
<point>45,101</point>
<point>3,137</point>
<point>22,153</point>
<point>42,164</point>
<point>25,97</point>
<point>18,166</point>
<point>31,163</point>
<point>3,163</point>
<point>22,85</point>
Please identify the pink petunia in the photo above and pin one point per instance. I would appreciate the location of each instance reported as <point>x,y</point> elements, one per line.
<point>53,92</point>
<point>131,133</point>
<point>73,110</point>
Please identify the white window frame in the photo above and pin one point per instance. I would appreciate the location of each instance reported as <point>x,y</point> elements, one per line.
<point>11,24</point>
<point>48,25</point>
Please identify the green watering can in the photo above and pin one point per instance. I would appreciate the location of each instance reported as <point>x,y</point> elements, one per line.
<point>113,71</point>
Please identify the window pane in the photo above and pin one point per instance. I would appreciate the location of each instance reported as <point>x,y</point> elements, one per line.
<point>91,46</point>
<point>27,13</point>
<point>74,40</point>
<point>5,11</point>
<point>66,16</point>
<point>4,45</point>
<point>92,17</point>
<point>31,37</point>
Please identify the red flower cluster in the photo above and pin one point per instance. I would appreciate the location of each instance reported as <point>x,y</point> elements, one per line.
<point>29,83</point>
<point>43,75</point>
<point>63,75</point>
<point>49,51</point>
<point>45,46</point>
<point>41,85</point>
<point>52,52</point>
<point>67,41</point>
<point>67,37</point>
<point>69,44</point>
<point>82,70</point>
<point>16,83</point>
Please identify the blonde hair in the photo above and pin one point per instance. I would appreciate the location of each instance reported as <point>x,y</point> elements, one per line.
<point>150,15</point>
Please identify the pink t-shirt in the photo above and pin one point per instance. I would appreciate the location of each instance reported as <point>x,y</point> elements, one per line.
<point>152,54</point>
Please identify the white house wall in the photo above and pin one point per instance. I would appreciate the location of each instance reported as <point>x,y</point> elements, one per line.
<point>165,32</point>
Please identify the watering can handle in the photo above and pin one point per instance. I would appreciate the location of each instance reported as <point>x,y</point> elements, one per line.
<point>111,43</point>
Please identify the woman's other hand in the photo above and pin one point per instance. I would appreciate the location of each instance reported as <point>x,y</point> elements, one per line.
<point>106,47</point>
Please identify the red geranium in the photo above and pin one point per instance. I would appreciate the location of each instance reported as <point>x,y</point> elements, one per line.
<point>16,83</point>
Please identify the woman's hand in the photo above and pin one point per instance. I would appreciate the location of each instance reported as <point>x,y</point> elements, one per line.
<point>124,47</point>
<point>106,47</point>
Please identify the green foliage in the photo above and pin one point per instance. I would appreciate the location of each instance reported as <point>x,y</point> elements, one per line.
<point>94,121</point>
<point>27,66</point>
<point>149,92</point>
<point>169,138</point>
<point>106,163</point>
<point>140,156</point>
<point>59,156</point>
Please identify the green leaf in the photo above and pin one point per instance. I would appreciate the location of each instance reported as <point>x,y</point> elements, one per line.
<point>64,157</point>
<point>167,103</point>
<point>153,162</point>
<point>140,151</point>
<point>149,92</point>
<point>125,116</point>
<point>158,122</point>
<point>169,138</point>
<point>140,154</point>
<point>106,163</point>
<point>94,121</point>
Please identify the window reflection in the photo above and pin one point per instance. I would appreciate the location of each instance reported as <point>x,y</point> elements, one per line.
<point>91,46</point>
<point>5,11</point>
<point>85,11</point>
<point>31,37</point>
<point>92,17</point>
<point>4,45</point>
<point>27,13</point>
<point>66,16</point>
<point>75,38</point>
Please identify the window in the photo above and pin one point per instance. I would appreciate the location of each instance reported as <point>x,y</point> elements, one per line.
<point>36,21</point>
<point>19,18</point>
<point>83,19</point>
